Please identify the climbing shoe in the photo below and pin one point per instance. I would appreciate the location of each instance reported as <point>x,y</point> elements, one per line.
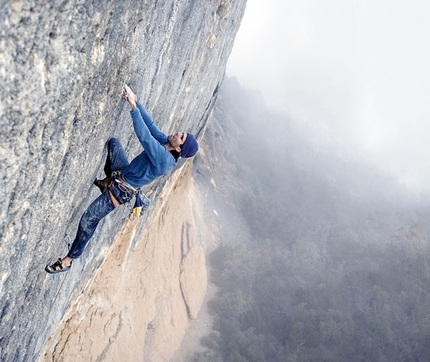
<point>57,267</point>
<point>101,184</point>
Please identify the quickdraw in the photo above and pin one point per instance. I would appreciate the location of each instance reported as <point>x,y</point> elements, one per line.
<point>125,186</point>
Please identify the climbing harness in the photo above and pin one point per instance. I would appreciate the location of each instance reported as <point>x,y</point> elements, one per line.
<point>115,201</point>
<point>122,184</point>
<point>141,203</point>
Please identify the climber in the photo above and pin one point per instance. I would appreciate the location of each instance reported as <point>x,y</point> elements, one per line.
<point>160,155</point>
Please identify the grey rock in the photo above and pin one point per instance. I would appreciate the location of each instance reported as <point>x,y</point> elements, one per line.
<point>62,68</point>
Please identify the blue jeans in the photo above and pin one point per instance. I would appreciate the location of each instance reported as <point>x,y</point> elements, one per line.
<point>103,205</point>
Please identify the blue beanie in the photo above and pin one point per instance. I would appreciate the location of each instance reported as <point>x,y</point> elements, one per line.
<point>190,147</point>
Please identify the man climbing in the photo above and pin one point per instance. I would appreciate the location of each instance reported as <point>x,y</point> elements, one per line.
<point>160,155</point>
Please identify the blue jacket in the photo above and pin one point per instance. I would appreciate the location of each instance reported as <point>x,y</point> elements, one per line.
<point>155,160</point>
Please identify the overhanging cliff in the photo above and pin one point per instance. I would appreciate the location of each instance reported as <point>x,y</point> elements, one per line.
<point>62,67</point>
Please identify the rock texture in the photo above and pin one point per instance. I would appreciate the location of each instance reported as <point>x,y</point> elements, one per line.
<point>62,67</point>
<point>134,309</point>
<point>193,277</point>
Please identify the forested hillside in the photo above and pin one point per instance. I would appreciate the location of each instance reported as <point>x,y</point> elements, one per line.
<point>339,265</point>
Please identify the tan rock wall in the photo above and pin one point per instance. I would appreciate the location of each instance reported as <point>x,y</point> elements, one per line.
<point>134,308</point>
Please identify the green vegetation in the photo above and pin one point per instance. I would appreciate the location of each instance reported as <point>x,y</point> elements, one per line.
<point>339,267</point>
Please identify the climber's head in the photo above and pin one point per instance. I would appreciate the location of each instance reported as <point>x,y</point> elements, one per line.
<point>184,143</point>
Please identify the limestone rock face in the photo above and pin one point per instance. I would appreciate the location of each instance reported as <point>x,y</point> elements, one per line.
<point>62,68</point>
<point>133,309</point>
<point>193,276</point>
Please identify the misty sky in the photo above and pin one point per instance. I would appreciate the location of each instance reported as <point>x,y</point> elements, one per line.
<point>359,70</point>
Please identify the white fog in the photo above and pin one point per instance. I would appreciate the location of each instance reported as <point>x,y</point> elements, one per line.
<point>357,71</point>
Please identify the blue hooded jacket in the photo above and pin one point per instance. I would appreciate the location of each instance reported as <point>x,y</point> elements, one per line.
<point>155,160</point>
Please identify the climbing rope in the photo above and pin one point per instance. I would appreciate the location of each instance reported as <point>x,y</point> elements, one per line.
<point>58,292</point>
<point>67,242</point>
